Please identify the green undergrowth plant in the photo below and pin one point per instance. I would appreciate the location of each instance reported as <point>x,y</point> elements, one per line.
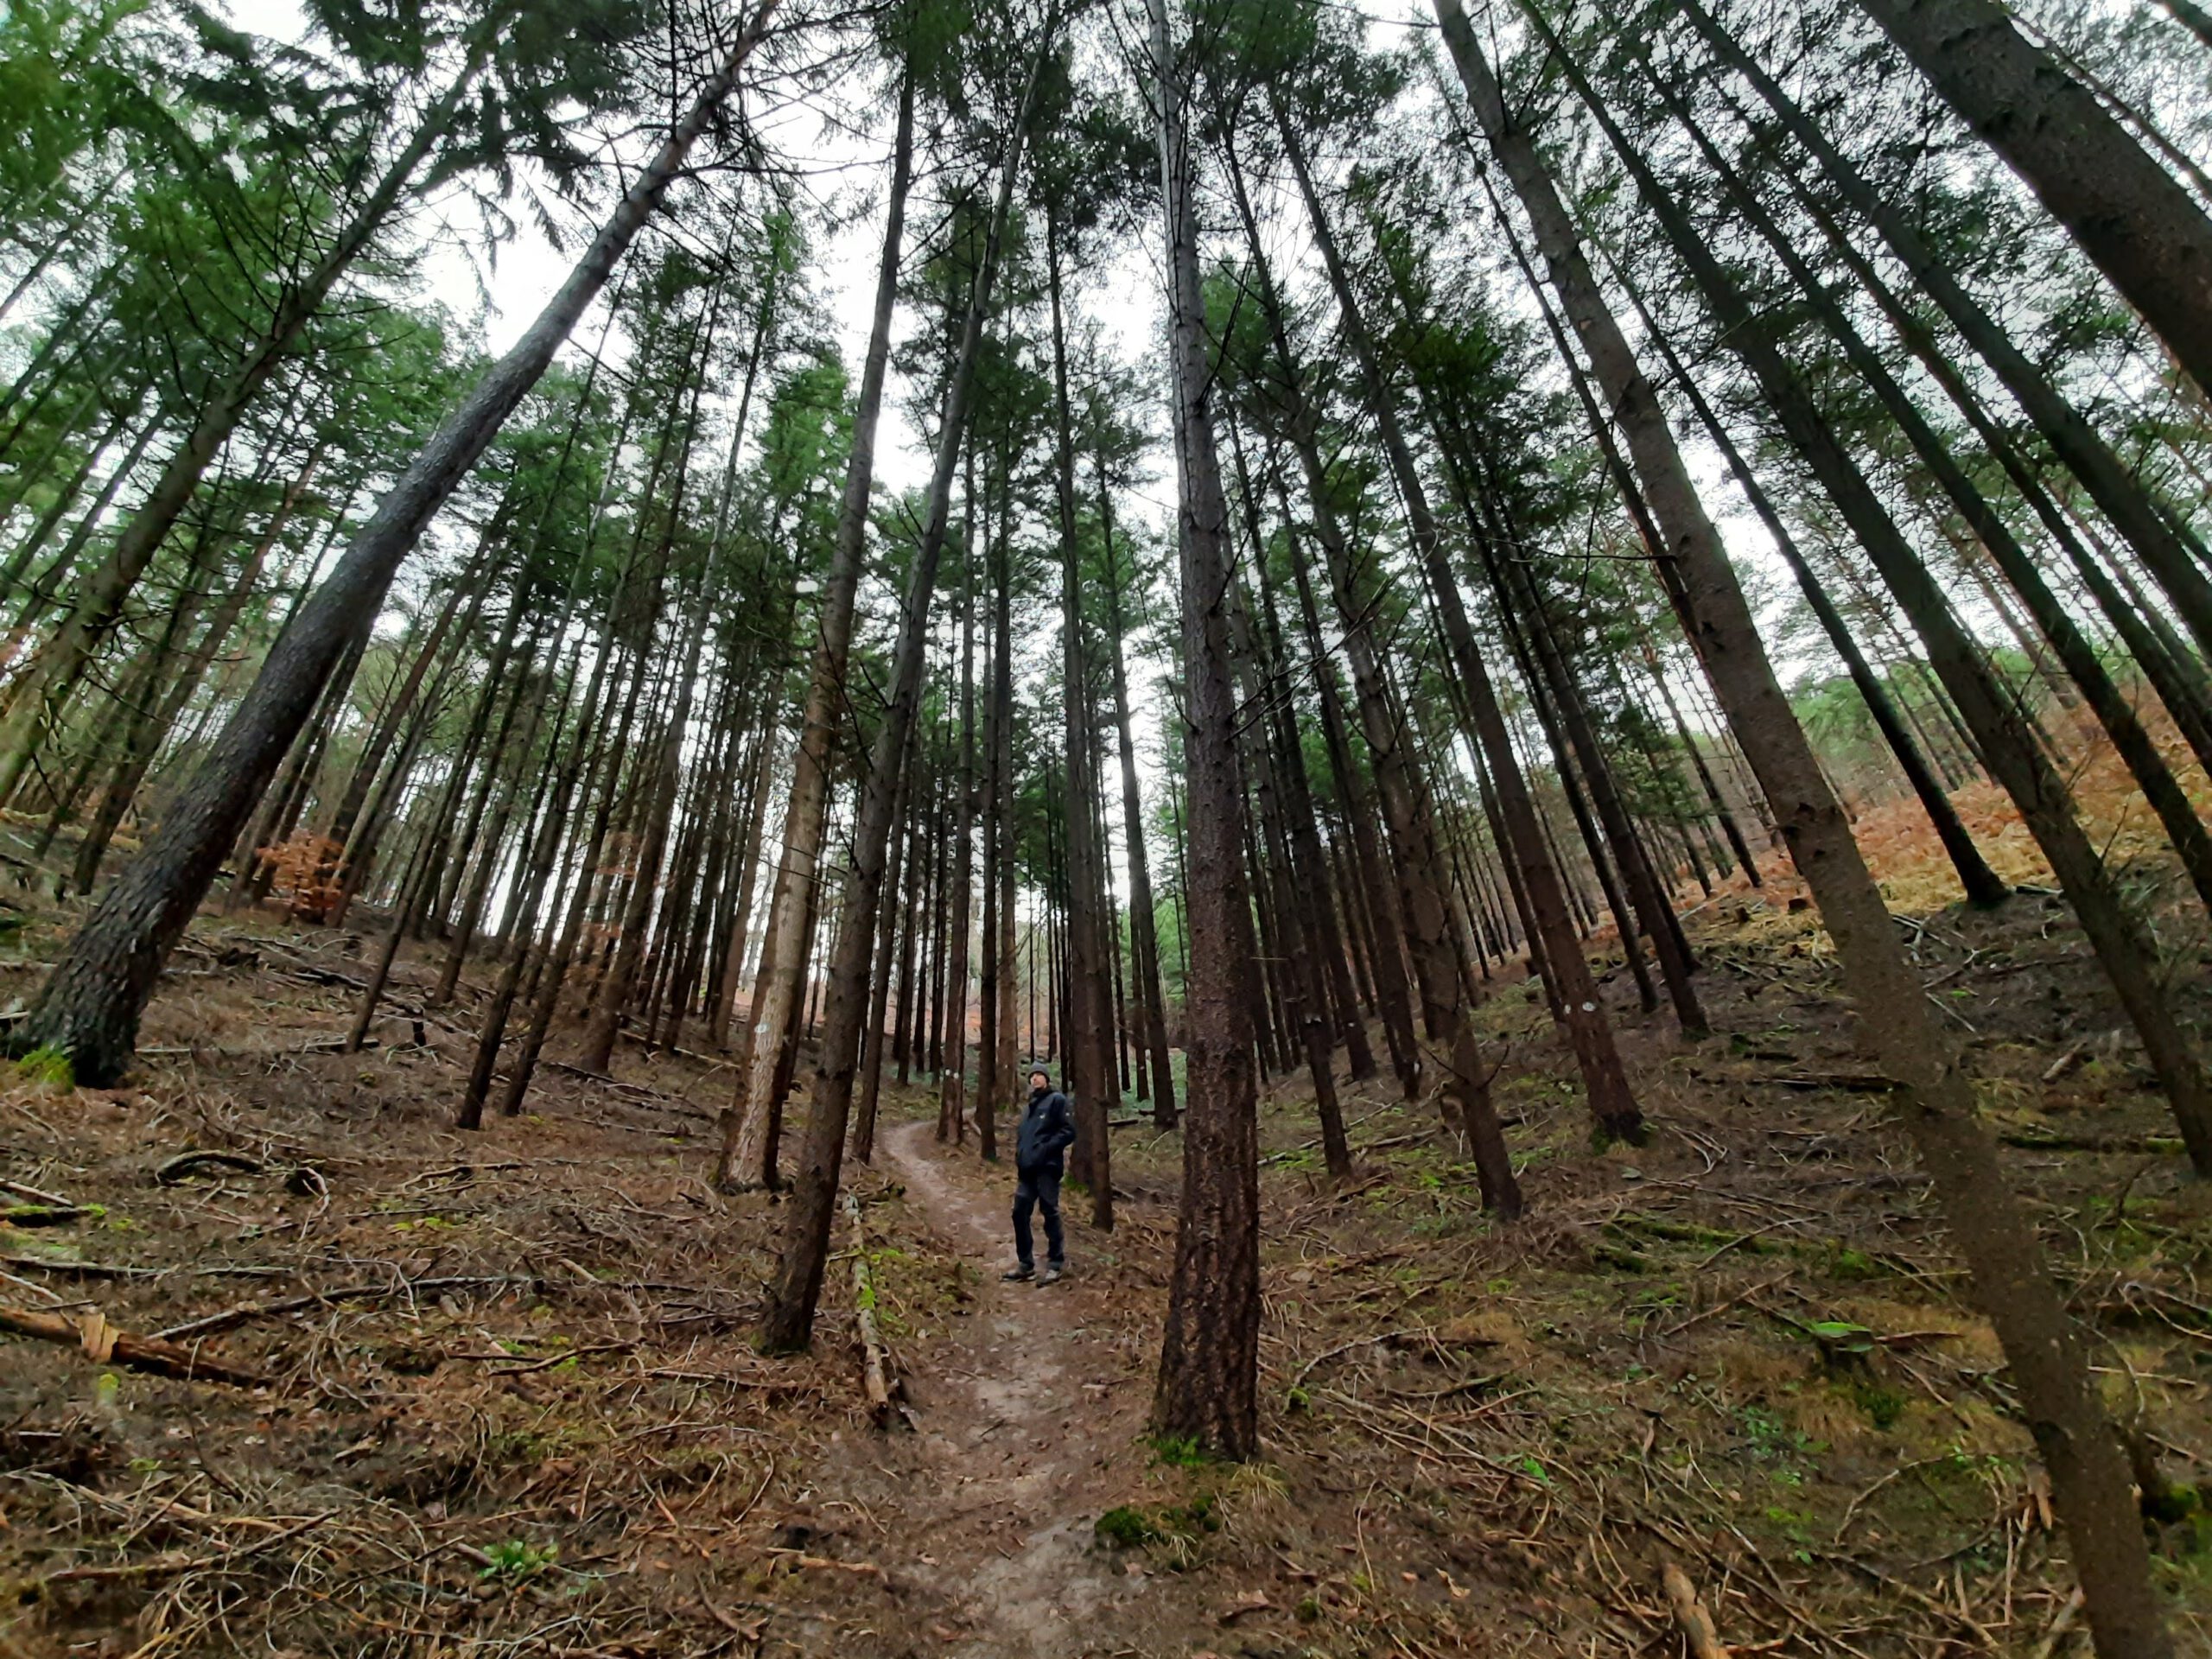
<point>1176,1529</point>
<point>48,1068</point>
<point>516,1562</point>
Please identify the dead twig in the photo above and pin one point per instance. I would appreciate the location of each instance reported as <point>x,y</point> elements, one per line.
<point>35,1196</point>
<point>824,1563</point>
<point>1690,1617</point>
<point>1306,1370</point>
<point>179,1562</point>
<point>548,1362</point>
<point>2059,1626</point>
<point>875,1375</point>
<point>173,1170</point>
<point>104,1343</point>
<point>79,1269</point>
<point>231,1318</point>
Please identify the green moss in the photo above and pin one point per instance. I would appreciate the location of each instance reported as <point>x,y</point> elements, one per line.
<point>1852,1266</point>
<point>49,1068</point>
<point>1188,1520</point>
<point>1181,1524</point>
<point>1179,1451</point>
<point>1883,1406</point>
<point>1125,1528</point>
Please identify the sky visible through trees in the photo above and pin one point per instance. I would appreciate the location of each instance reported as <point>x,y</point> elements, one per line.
<point>1221,543</point>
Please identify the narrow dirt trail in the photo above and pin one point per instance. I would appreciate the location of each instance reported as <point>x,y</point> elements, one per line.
<point>1029,1422</point>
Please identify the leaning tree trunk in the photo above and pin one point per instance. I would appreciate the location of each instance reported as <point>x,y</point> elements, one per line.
<point>90,1006</point>
<point>597,1051</point>
<point>1982,885</point>
<point>2089,1478</point>
<point>2165,545</point>
<point>2077,657</point>
<point>1423,878</point>
<point>1590,1036</point>
<point>2123,944</point>
<point>2130,215</point>
<point>65,654</point>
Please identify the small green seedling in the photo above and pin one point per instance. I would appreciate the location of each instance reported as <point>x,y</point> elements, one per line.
<point>516,1562</point>
<point>1840,1342</point>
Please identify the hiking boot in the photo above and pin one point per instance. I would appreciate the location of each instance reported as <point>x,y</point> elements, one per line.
<point>1052,1274</point>
<point>1018,1271</point>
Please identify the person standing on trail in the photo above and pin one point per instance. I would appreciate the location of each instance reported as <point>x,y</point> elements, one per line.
<point>1047,1131</point>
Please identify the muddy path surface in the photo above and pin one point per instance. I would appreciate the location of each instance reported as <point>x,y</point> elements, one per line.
<point>1028,1415</point>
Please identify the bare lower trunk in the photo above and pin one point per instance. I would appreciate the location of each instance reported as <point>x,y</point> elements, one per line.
<point>745,1152</point>
<point>1207,1390</point>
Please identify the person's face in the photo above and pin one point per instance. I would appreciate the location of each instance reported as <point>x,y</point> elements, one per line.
<point>1039,1080</point>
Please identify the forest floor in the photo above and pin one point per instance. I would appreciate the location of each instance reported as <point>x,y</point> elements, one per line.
<point>507,1403</point>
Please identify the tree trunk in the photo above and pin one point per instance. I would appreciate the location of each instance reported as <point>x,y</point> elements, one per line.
<point>1612,1106</point>
<point>1144,927</point>
<point>596,1052</point>
<point>1207,1388</point>
<point>745,1150</point>
<point>2132,217</point>
<point>952,1083</point>
<point>90,1007</point>
<point>1982,885</point>
<point>1089,1077</point>
<point>65,652</point>
<point>2076,655</point>
<point>2163,542</point>
<point>880,972</point>
<point>2124,945</point>
<point>787,1325</point>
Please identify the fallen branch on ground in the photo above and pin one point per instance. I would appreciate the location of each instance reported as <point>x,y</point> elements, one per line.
<point>173,1170</point>
<point>106,1343</point>
<point>179,1561</point>
<point>43,1215</point>
<point>768,1385</point>
<point>858,1569</point>
<point>1690,1616</point>
<point>1306,1370</point>
<point>33,1194</point>
<point>875,1372</point>
<point>1854,1082</point>
<point>79,1269</point>
<point>548,1361</point>
<point>653,1097</point>
<point>231,1318</point>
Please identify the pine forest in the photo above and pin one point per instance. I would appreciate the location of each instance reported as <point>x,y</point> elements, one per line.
<point>1233,829</point>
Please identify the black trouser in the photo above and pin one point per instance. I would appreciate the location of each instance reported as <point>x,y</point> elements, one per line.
<point>1040,1190</point>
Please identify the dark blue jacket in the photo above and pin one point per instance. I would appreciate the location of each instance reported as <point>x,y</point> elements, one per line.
<point>1047,1131</point>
